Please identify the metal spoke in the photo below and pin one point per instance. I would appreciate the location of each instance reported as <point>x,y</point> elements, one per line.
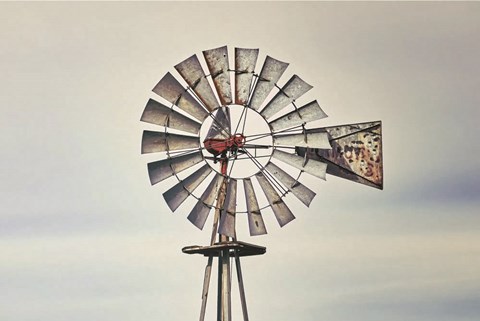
<point>240,119</point>
<point>260,136</point>
<point>210,114</point>
<point>267,175</point>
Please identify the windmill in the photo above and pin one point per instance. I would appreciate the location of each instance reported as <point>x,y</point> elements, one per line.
<point>254,136</point>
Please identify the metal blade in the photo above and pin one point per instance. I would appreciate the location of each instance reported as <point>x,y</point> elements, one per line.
<point>220,128</point>
<point>293,89</point>
<point>176,195</point>
<point>303,193</point>
<point>271,72</point>
<point>153,142</point>
<point>307,139</point>
<point>255,219</point>
<point>158,114</point>
<point>302,115</point>
<point>170,89</point>
<point>217,62</point>
<point>280,209</point>
<point>160,170</point>
<point>356,153</point>
<point>245,61</point>
<point>191,70</point>
<point>310,166</point>
<point>200,211</point>
<point>227,217</point>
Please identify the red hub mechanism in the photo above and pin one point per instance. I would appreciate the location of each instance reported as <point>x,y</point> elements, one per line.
<point>222,146</point>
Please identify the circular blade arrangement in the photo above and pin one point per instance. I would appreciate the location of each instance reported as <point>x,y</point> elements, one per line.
<point>206,104</point>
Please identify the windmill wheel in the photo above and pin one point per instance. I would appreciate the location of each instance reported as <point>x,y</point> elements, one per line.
<point>247,136</point>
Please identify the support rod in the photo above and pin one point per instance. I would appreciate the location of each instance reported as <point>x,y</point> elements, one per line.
<point>240,287</point>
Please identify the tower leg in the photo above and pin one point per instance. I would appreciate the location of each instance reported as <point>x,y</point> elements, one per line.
<point>241,288</point>
<point>206,284</point>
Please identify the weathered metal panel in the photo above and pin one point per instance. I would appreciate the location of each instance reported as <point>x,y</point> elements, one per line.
<point>217,62</point>
<point>356,153</point>
<point>292,90</point>
<point>245,61</point>
<point>227,218</point>
<point>191,70</point>
<point>280,209</point>
<point>310,166</point>
<point>176,195</point>
<point>307,139</point>
<point>307,113</point>
<point>170,89</point>
<point>158,114</point>
<point>255,219</point>
<point>199,214</point>
<point>303,193</point>
<point>345,130</point>
<point>271,72</point>
<point>160,170</point>
<point>153,142</point>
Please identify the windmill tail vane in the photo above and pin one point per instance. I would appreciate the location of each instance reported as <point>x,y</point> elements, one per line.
<point>221,131</point>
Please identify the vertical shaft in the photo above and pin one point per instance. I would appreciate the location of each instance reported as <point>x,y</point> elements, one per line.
<point>224,284</point>
<point>208,268</point>
<point>224,297</point>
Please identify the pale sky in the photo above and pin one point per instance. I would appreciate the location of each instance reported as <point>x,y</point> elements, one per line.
<point>83,235</point>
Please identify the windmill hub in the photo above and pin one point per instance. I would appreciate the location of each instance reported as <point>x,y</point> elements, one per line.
<point>222,146</point>
<point>233,134</point>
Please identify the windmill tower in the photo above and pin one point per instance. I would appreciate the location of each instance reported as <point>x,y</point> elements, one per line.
<point>250,136</point>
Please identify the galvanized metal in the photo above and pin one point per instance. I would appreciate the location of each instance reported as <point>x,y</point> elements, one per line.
<point>245,61</point>
<point>356,153</point>
<point>280,209</point>
<point>292,90</point>
<point>255,220</point>
<point>154,142</point>
<point>200,211</point>
<point>170,89</point>
<point>227,218</point>
<point>307,139</point>
<point>217,62</point>
<point>191,70</point>
<point>160,170</point>
<point>310,166</point>
<point>303,193</point>
<point>305,114</point>
<point>271,72</point>
<point>158,114</point>
<point>176,195</point>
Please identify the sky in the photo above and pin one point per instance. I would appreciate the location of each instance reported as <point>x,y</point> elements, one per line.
<point>83,235</point>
